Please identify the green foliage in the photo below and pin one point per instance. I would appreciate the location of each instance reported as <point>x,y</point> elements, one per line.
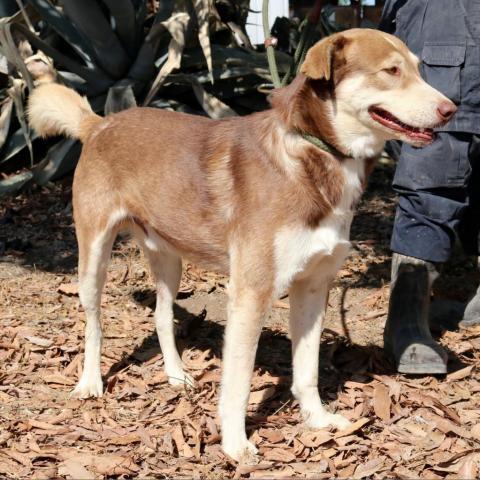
<point>186,55</point>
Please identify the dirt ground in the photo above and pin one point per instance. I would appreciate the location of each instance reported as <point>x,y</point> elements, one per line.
<point>404,427</point>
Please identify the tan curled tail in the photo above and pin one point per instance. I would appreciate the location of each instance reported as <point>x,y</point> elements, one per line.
<point>54,109</point>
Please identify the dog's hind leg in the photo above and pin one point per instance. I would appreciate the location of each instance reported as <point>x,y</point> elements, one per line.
<point>94,249</point>
<point>166,268</point>
<point>308,300</point>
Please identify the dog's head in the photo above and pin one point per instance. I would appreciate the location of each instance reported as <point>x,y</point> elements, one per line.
<point>376,85</point>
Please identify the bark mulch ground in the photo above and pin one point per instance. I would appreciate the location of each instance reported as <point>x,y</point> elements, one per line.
<point>403,427</point>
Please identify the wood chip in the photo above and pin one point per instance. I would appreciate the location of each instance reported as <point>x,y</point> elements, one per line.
<point>382,402</point>
<point>404,426</point>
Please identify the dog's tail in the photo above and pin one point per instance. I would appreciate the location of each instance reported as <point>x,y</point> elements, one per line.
<point>57,110</point>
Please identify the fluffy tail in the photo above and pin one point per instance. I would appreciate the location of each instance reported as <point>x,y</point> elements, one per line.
<point>57,110</point>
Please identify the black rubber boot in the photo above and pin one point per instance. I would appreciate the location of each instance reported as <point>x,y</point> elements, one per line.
<point>445,314</point>
<point>448,314</point>
<point>471,316</point>
<point>407,335</point>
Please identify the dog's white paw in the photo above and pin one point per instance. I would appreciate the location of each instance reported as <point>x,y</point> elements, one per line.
<point>179,377</point>
<point>241,450</point>
<point>88,387</point>
<point>323,419</point>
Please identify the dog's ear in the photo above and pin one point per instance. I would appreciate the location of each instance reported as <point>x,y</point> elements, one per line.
<point>319,60</point>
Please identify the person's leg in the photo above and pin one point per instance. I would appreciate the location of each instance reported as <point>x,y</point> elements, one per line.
<point>432,199</point>
<point>407,336</point>
<point>469,231</point>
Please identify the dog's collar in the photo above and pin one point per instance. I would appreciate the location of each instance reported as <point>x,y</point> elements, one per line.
<point>319,143</point>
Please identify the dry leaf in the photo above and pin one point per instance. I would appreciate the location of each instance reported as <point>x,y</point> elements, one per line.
<point>59,379</point>
<point>460,374</point>
<point>352,428</point>
<point>41,342</point>
<point>247,469</point>
<point>65,414</point>
<point>315,439</point>
<point>279,455</point>
<point>19,457</point>
<point>44,425</point>
<point>210,376</point>
<point>429,401</point>
<point>114,465</point>
<point>124,439</point>
<point>74,469</point>
<point>261,395</point>
<point>184,408</point>
<point>475,431</point>
<point>468,469</point>
<point>285,472</point>
<point>369,468</point>
<point>68,288</point>
<point>178,438</point>
<point>272,436</point>
<point>382,402</point>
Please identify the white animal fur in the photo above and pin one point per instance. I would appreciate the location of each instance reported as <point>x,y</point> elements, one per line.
<point>166,269</point>
<point>47,115</point>
<point>91,283</point>
<point>298,250</point>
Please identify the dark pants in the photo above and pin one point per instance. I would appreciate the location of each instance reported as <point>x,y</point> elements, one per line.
<point>439,190</point>
<point>439,185</point>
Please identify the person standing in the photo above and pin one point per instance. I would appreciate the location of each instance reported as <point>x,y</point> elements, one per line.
<point>439,185</point>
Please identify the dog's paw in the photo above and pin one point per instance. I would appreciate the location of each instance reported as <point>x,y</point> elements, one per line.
<point>323,419</point>
<point>242,451</point>
<point>181,378</point>
<point>88,388</point>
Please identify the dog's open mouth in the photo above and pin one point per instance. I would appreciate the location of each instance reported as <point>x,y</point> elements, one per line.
<point>388,120</point>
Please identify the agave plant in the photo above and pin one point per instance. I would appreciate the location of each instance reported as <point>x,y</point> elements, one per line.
<point>188,55</point>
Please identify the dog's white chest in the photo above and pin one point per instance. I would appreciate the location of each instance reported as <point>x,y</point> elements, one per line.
<point>300,249</point>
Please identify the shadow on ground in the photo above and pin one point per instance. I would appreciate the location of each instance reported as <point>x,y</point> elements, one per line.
<point>340,361</point>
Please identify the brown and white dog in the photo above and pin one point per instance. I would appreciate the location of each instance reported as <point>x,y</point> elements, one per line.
<point>250,196</point>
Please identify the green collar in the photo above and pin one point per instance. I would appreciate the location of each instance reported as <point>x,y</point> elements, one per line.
<point>319,143</point>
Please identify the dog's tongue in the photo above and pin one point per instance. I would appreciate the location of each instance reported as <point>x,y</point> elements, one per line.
<point>420,135</point>
<point>389,120</point>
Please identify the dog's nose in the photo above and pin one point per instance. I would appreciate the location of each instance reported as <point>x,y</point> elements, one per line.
<point>446,110</point>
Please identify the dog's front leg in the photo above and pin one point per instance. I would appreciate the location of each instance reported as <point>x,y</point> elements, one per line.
<point>246,311</point>
<point>308,300</point>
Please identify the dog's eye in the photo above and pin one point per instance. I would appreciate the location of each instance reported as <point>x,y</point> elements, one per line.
<point>392,71</point>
